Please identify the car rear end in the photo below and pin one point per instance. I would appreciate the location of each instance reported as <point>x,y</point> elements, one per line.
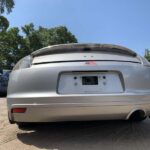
<point>78,82</point>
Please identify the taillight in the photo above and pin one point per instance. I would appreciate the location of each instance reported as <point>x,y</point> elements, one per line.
<point>18,110</point>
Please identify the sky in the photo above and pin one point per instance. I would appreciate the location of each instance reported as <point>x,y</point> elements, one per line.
<point>121,22</point>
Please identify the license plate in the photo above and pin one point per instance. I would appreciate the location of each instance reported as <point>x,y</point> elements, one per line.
<point>89,83</point>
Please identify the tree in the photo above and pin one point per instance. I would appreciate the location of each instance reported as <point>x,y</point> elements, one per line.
<point>6,5</point>
<point>147,54</point>
<point>14,46</point>
<point>4,24</point>
<point>28,29</point>
<point>6,45</point>
<point>10,47</point>
<point>43,37</point>
<point>148,58</point>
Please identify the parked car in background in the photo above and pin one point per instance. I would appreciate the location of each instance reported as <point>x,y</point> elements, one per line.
<point>1,70</point>
<point>4,77</point>
<point>72,82</point>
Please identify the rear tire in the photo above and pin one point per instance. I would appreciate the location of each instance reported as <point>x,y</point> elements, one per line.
<point>10,121</point>
<point>3,94</point>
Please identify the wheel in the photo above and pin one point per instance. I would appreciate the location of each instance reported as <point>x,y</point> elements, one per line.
<point>3,94</point>
<point>10,121</point>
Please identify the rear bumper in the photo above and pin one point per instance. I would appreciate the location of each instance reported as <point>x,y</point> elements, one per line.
<point>76,108</point>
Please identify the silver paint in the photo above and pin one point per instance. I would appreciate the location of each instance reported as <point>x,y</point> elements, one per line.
<point>36,88</point>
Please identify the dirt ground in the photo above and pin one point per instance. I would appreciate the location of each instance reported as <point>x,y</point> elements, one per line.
<point>104,135</point>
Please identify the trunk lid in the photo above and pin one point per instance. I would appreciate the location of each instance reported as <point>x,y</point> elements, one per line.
<point>84,52</point>
<point>77,57</point>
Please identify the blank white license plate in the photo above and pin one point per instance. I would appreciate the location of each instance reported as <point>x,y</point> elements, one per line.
<point>89,83</point>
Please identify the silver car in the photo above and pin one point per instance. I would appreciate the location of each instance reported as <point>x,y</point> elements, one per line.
<point>73,82</point>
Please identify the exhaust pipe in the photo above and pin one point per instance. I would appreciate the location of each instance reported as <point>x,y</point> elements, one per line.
<point>137,115</point>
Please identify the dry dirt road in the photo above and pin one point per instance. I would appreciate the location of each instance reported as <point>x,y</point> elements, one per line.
<point>104,135</point>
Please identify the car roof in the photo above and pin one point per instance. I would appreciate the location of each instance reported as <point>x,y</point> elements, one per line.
<point>76,47</point>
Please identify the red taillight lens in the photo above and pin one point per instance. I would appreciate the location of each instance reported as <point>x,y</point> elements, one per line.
<point>18,110</point>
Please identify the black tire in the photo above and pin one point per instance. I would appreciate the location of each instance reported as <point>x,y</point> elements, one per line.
<point>10,121</point>
<point>3,94</point>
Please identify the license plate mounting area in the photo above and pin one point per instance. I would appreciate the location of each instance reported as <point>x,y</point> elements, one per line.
<point>89,83</point>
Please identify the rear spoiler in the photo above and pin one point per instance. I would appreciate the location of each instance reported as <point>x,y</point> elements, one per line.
<point>75,48</point>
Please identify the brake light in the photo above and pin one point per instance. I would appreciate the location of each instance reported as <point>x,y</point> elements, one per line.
<point>18,110</point>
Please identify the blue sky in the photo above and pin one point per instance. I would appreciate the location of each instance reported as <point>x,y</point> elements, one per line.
<point>123,22</point>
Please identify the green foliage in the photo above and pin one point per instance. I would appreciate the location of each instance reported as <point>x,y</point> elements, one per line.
<point>4,23</point>
<point>6,5</point>
<point>14,46</point>
<point>43,37</point>
<point>148,58</point>
<point>10,47</point>
<point>147,54</point>
<point>28,29</point>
